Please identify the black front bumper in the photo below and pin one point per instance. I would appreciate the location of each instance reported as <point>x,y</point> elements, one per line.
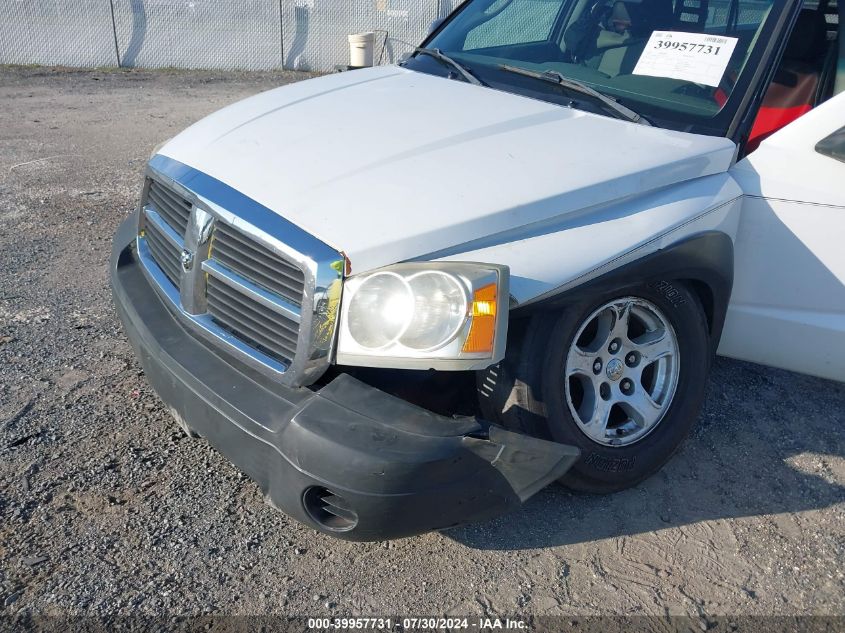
<point>346,459</point>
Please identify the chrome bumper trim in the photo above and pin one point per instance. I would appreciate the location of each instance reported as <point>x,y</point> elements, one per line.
<point>164,228</point>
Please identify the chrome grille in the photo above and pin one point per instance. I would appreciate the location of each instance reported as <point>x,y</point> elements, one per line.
<point>173,208</point>
<point>253,293</point>
<point>164,249</point>
<point>257,263</point>
<point>239,274</point>
<point>252,322</point>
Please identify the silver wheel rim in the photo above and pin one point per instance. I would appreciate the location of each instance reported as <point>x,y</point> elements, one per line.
<point>622,371</point>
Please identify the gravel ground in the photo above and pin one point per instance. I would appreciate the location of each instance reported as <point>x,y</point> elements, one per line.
<point>107,508</point>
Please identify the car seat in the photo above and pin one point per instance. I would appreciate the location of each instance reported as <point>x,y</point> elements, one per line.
<point>601,46</point>
<point>795,88</point>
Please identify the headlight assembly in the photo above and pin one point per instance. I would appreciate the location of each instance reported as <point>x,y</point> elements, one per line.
<point>429,315</point>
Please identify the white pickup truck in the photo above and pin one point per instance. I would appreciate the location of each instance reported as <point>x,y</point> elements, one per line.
<point>407,297</point>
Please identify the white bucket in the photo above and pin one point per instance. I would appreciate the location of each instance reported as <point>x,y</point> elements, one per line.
<point>361,47</point>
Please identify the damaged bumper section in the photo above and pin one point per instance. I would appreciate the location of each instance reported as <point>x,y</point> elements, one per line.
<point>346,459</point>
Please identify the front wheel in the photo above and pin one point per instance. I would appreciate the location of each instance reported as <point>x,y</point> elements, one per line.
<point>621,376</point>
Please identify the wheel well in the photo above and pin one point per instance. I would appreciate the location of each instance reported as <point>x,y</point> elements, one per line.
<point>705,295</point>
<point>702,262</point>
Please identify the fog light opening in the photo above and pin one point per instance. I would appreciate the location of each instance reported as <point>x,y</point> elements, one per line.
<point>329,510</point>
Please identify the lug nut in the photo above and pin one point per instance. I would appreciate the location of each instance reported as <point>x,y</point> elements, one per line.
<point>626,386</point>
<point>597,366</point>
<point>631,360</point>
<point>614,346</point>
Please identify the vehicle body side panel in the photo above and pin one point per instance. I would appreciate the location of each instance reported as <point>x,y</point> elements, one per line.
<point>787,166</point>
<point>788,305</point>
<point>562,257</point>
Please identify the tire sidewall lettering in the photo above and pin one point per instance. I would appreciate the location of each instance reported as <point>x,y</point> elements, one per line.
<point>669,292</point>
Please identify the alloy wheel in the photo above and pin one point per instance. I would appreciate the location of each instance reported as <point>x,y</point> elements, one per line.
<point>622,371</point>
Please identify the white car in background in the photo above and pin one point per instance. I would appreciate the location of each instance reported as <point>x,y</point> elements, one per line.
<point>407,297</point>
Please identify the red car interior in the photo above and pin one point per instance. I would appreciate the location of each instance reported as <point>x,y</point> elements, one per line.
<point>795,87</point>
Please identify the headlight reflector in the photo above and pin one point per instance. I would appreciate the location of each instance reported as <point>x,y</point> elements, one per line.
<point>440,309</point>
<point>442,315</point>
<point>381,310</point>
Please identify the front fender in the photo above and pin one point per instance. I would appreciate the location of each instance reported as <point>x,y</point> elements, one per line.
<point>683,232</point>
<point>705,261</point>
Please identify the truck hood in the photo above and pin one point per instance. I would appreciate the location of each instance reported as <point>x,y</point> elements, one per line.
<point>388,164</point>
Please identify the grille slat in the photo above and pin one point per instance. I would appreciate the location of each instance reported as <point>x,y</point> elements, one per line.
<point>261,262</point>
<point>254,267</point>
<point>256,273</point>
<point>254,310</point>
<point>171,195</point>
<point>242,314</point>
<point>243,329</point>
<point>258,264</point>
<point>246,329</point>
<point>162,251</point>
<point>163,214</point>
<point>286,267</point>
<point>176,222</point>
<point>173,207</point>
<point>233,319</point>
<point>340,513</point>
<point>161,258</point>
<point>257,323</point>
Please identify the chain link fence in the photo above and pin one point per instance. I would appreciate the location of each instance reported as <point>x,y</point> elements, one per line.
<point>219,34</point>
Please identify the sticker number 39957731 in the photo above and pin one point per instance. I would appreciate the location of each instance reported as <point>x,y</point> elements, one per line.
<point>696,57</point>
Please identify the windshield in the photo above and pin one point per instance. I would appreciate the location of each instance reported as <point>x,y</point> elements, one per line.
<point>682,64</point>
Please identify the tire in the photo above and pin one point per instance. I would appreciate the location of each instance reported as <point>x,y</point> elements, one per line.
<point>531,391</point>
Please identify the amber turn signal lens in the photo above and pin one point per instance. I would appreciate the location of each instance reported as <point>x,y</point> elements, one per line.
<point>483,328</point>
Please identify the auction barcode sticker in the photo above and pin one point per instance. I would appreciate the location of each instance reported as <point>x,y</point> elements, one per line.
<point>696,57</point>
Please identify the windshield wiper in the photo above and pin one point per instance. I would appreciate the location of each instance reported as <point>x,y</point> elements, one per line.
<point>437,54</point>
<point>552,76</point>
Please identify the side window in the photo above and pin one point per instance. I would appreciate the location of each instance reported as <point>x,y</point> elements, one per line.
<point>519,22</point>
<point>803,78</point>
<point>747,16</point>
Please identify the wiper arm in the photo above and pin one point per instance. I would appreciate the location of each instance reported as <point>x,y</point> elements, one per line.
<point>555,77</point>
<point>437,54</point>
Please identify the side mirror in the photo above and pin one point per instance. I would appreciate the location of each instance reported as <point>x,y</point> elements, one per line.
<point>435,25</point>
<point>833,145</point>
